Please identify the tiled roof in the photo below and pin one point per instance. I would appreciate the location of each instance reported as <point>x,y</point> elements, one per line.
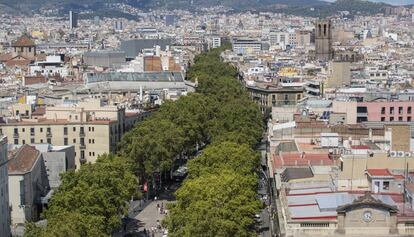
<point>300,160</point>
<point>23,41</point>
<point>379,172</point>
<point>23,160</point>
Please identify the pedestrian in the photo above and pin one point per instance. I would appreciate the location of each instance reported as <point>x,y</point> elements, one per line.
<point>145,232</point>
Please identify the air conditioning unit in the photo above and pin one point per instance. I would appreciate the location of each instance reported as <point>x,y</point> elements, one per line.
<point>393,154</point>
<point>400,154</point>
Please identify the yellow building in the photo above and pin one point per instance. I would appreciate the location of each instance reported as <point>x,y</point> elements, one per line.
<point>93,128</point>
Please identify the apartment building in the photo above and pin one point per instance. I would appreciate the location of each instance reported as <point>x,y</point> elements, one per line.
<point>91,126</point>
<point>28,184</point>
<point>246,45</point>
<point>4,190</point>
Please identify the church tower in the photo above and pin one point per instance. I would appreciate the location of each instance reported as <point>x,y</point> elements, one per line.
<point>323,40</point>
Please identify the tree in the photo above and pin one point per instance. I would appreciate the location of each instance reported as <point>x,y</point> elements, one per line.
<point>94,196</point>
<point>152,146</point>
<point>240,159</point>
<point>216,205</point>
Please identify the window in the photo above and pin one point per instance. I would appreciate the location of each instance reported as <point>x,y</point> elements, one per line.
<point>409,110</point>
<point>391,110</point>
<point>65,141</point>
<point>82,155</point>
<point>23,129</point>
<point>383,110</point>
<point>382,119</point>
<point>16,131</point>
<point>400,119</point>
<point>23,142</point>
<point>49,141</point>
<point>41,129</point>
<point>400,110</point>
<point>16,141</point>
<point>65,131</point>
<point>74,141</point>
<point>362,109</point>
<point>386,185</point>
<point>409,119</point>
<point>41,140</point>
<point>32,131</point>
<point>74,129</point>
<point>48,130</point>
<point>391,119</point>
<point>32,140</point>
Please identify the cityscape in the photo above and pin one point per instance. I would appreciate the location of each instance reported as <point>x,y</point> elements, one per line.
<point>272,118</point>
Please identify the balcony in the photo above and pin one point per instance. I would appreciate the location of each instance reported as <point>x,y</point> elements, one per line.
<point>82,134</point>
<point>32,134</point>
<point>82,146</point>
<point>48,134</point>
<point>15,135</point>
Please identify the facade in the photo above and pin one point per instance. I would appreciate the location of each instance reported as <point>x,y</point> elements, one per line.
<point>340,74</point>
<point>73,19</point>
<point>57,160</point>
<point>24,47</point>
<point>4,190</point>
<point>243,46</point>
<point>28,184</point>
<point>323,40</point>
<point>92,127</point>
<point>268,96</point>
<point>385,111</point>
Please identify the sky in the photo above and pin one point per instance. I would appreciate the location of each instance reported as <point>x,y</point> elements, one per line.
<point>393,2</point>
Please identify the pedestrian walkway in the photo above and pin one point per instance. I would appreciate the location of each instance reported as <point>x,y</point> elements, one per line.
<point>151,217</point>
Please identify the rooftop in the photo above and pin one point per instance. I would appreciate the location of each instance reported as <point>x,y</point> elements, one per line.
<point>24,41</point>
<point>22,161</point>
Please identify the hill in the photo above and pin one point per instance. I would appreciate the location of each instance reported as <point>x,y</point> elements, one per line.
<point>296,7</point>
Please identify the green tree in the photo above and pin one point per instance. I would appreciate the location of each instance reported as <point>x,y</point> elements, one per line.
<point>217,205</point>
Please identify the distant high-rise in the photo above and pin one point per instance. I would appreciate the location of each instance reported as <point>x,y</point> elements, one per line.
<point>73,19</point>
<point>323,40</point>
<point>119,25</point>
<point>169,20</point>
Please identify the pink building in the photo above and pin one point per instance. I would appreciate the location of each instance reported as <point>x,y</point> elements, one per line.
<point>385,111</point>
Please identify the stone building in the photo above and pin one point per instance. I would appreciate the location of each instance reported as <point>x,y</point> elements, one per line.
<point>323,40</point>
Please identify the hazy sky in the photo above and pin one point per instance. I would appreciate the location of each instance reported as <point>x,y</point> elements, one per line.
<point>393,2</point>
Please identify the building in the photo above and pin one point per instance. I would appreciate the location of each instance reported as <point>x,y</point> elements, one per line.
<point>4,190</point>
<point>340,74</point>
<point>216,42</point>
<point>73,19</point>
<point>267,96</point>
<point>245,46</point>
<point>57,160</point>
<point>385,111</point>
<point>170,20</point>
<point>24,47</point>
<point>91,126</point>
<point>119,25</point>
<point>104,58</point>
<point>323,40</point>
<point>28,184</point>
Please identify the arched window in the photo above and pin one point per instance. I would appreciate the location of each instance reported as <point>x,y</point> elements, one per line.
<point>320,29</point>
<point>324,29</point>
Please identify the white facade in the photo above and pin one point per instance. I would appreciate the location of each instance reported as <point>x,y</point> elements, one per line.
<point>4,190</point>
<point>243,46</point>
<point>216,42</point>
<point>51,66</point>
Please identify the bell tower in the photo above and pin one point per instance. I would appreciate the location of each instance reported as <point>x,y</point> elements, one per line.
<point>323,40</point>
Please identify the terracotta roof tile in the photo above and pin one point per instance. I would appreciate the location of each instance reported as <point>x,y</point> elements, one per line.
<point>379,172</point>
<point>23,160</point>
<point>23,41</point>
